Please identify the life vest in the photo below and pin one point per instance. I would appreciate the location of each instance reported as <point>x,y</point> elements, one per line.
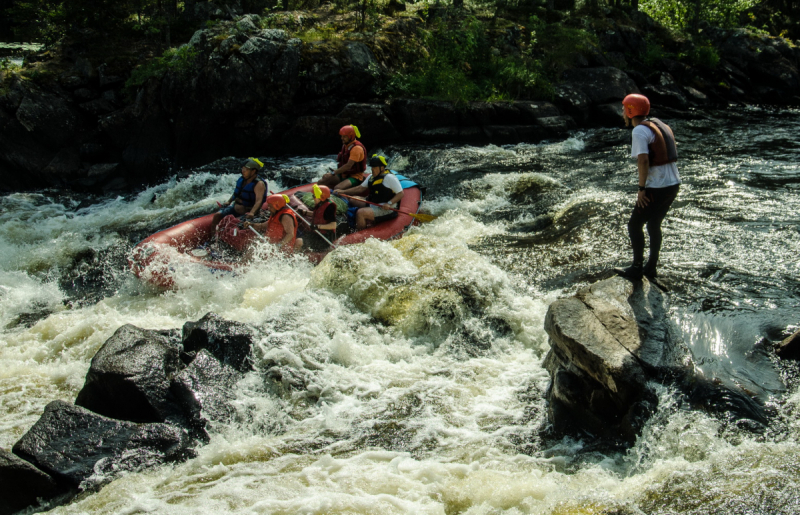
<point>246,193</point>
<point>663,149</point>
<point>379,192</point>
<point>275,231</point>
<point>319,216</point>
<point>344,157</point>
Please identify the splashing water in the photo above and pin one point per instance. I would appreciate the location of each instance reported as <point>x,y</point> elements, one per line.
<point>412,378</point>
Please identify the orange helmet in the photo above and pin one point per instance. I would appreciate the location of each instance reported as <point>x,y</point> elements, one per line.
<point>277,201</point>
<point>636,105</point>
<point>351,131</point>
<point>322,192</point>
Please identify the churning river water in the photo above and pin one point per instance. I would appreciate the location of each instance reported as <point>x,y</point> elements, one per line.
<point>424,355</point>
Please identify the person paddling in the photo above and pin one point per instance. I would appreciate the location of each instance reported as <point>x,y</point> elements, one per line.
<point>383,188</point>
<point>352,161</point>
<point>281,227</point>
<point>653,146</point>
<point>248,195</point>
<point>322,219</point>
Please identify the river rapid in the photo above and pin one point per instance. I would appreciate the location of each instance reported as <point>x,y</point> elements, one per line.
<point>423,356</point>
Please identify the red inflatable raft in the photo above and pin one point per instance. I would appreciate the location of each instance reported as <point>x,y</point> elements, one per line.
<point>155,258</point>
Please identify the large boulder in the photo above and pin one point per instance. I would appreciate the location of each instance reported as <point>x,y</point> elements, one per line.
<point>478,122</point>
<point>607,342</point>
<point>230,342</point>
<point>130,376</point>
<point>583,88</point>
<point>82,448</point>
<point>22,484</point>
<point>206,390</point>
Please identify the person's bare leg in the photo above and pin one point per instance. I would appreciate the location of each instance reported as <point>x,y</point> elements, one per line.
<point>328,180</point>
<point>364,217</point>
<point>344,185</point>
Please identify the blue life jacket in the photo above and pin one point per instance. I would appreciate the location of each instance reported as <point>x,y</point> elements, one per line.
<point>247,194</point>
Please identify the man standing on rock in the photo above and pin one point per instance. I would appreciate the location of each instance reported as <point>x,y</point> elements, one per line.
<point>352,161</point>
<point>653,145</point>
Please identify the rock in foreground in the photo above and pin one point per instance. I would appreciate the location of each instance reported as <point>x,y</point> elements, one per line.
<point>130,375</point>
<point>607,342</point>
<point>73,444</point>
<point>21,484</point>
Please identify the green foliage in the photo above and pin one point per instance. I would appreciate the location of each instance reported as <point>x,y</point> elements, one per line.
<point>318,34</point>
<point>559,44</point>
<point>175,60</point>
<point>703,55</point>
<point>681,16</point>
<point>459,64</point>
<point>42,20</point>
<point>653,53</point>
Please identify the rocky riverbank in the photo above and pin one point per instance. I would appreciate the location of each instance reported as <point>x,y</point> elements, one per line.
<point>246,90</point>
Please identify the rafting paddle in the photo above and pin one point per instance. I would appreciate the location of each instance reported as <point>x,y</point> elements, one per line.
<point>422,217</point>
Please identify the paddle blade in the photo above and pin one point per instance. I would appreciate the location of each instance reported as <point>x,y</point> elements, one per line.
<point>422,217</point>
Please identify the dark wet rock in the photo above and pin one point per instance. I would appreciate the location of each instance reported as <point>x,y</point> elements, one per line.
<point>22,484</point>
<point>206,389</point>
<point>230,342</point>
<point>130,376</point>
<point>73,444</point>
<point>478,122</point>
<point>600,85</point>
<point>98,106</point>
<point>607,342</point>
<point>790,347</point>
<point>372,120</point>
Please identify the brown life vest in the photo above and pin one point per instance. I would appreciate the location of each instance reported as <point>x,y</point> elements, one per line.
<point>663,149</point>
<point>319,216</point>
<point>344,157</point>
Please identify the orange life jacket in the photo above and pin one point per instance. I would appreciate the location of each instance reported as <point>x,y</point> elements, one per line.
<point>663,149</point>
<point>275,230</point>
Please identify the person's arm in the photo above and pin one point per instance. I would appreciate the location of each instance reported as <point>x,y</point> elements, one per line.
<point>326,227</point>
<point>355,191</point>
<point>394,184</point>
<point>330,219</point>
<point>259,191</point>
<point>643,164</point>
<point>288,226</point>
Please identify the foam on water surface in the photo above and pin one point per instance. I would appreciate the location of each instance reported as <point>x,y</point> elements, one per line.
<point>412,378</point>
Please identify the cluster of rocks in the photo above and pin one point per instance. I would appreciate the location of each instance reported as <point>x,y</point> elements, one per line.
<point>273,94</point>
<point>148,399</point>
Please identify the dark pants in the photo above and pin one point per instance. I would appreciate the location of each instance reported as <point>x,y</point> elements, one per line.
<point>652,215</point>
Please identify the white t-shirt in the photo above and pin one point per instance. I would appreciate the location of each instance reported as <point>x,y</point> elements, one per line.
<point>659,176</point>
<point>389,180</point>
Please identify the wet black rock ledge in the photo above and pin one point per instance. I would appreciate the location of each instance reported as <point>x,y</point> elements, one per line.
<point>607,343</point>
<point>612,344</point>
<point>149,398</point>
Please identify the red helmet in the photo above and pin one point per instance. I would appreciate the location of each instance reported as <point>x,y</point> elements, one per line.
<point>277,201</point>
<point>636,105</point>
<point>322,192</point>
<point>351,131</point>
